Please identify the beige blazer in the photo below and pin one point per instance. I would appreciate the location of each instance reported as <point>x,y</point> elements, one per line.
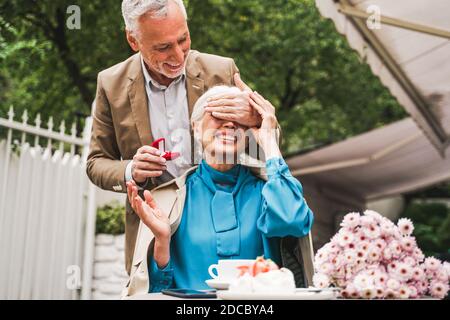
<point>171,197</point>
<point>121,121</point>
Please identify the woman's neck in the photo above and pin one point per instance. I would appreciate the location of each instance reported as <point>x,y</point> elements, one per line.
<point>221,167</point>
<point>216,164</point>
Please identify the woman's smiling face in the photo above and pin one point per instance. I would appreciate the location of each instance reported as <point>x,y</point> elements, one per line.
<point>221,139</point>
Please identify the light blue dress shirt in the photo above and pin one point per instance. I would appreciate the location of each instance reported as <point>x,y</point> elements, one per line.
<point>232,215</point>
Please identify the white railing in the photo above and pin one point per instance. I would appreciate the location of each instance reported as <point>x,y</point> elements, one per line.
<point>47,212</point>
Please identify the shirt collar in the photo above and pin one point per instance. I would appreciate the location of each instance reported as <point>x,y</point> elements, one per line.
<point>152,82</point>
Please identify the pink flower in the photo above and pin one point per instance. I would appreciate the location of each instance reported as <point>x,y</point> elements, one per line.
<point>367,221</point>
<point>418,274</point>
<point>326,268</point>
<point>418,254</point>
<point>410,261</point>
<point>387,254</point>
<point>372,231</point>
<point>351,220</point>
<point>374,255</point>
<point>405,226</point>
<point>438,290</point>
<point>368,293</point>
<point>432,264</point>
<point>390,294</point>
<point>413,294</point>
<point>403,292</point>
<point>375,215</point>
<point>404,271</point>
<point>350,256</point>
<point>381,279</point>
<point>351,291</point>
<point>321,255</point>
<point>393,284</point>
<point>408,243</point>
<point>396,248</point>
<point>345,237</point>
<point>380,244</point>
<point>446,267</point>
<point>321,280</point>
<point>363,281</point>
<point>387,228</point>
<point>441,275</point>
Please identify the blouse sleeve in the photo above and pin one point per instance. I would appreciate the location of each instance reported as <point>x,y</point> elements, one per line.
<point>284,211</point>
<point>160,279</point>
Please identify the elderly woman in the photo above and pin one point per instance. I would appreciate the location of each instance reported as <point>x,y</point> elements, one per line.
<point>219,209</point>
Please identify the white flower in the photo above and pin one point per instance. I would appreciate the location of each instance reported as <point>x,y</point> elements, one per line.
<point>326,268</point>
<point>410,261</point>
<point>396,248</point>
<point>350,256</point>
<point>321,280</point>
<point>370,213</point>
<point>379,292</point>
<point>403,292</point>
<point>408,243</point>
<point>387,229</point>
<point>380,279</point>
<point>393,284</point>
<point>380,244</point>
<point>345,237</point>
<point>432,263</point>
<point>321,255</point>
<point>404,271</point>
<point>413,294</point>
<point>367,220</point>
<point>418,254</point>
<point>368,293</point>
<point>390,293</point>
<point>439,290</point>
<point>374,254</point>
<point>446,267</point>
<point>418,274</point>
<point>363,281</point>
<point>441,275</point>
<point>351,220</point>
<point>405,226</point>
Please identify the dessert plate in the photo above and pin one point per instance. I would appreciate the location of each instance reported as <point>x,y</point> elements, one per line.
<point>299,294</point>
<point>218,284</point>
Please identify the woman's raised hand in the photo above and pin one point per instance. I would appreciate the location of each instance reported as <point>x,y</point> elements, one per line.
<point>266,135</point>
<point>149,212</point>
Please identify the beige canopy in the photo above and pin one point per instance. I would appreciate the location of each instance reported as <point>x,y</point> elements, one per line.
<point>409,50</point>
<point>387,161</point>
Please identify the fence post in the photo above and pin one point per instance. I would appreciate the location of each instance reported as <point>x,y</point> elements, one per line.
<point>89,245</point>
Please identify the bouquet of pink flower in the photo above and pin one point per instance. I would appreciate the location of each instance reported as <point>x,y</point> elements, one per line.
<point>371,257</point>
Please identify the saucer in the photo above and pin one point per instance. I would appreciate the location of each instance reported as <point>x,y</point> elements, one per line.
<point>218,284</point>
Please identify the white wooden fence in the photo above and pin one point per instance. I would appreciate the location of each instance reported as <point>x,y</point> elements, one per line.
<point>47,212</point>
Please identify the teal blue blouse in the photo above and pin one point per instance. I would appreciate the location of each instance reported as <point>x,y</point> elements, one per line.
<point>232,215</point>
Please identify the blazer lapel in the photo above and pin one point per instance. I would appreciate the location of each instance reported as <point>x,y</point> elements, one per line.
<point>195,86</point>
<point>138,100</point>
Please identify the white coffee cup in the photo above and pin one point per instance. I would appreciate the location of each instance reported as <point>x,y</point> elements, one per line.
<point>227,269</point>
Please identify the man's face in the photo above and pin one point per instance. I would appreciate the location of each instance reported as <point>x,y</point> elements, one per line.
<point>164,43</point>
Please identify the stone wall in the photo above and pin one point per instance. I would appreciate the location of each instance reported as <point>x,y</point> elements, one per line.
<point>109,276</point>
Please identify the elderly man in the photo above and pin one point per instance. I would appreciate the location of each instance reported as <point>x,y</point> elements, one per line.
<point>150,96</point>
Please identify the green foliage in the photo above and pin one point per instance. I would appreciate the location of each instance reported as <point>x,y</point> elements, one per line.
<point>111,219</point>
<point>431,226</point>
<point>284,49</point>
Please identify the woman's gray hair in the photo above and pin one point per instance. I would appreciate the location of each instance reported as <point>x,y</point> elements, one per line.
<point>132,10</point>
<point>199,107</point>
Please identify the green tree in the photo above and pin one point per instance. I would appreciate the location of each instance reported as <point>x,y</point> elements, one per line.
<point>284,49</point>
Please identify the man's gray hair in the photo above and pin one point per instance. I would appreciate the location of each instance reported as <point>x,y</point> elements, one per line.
<point>132,10</point>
